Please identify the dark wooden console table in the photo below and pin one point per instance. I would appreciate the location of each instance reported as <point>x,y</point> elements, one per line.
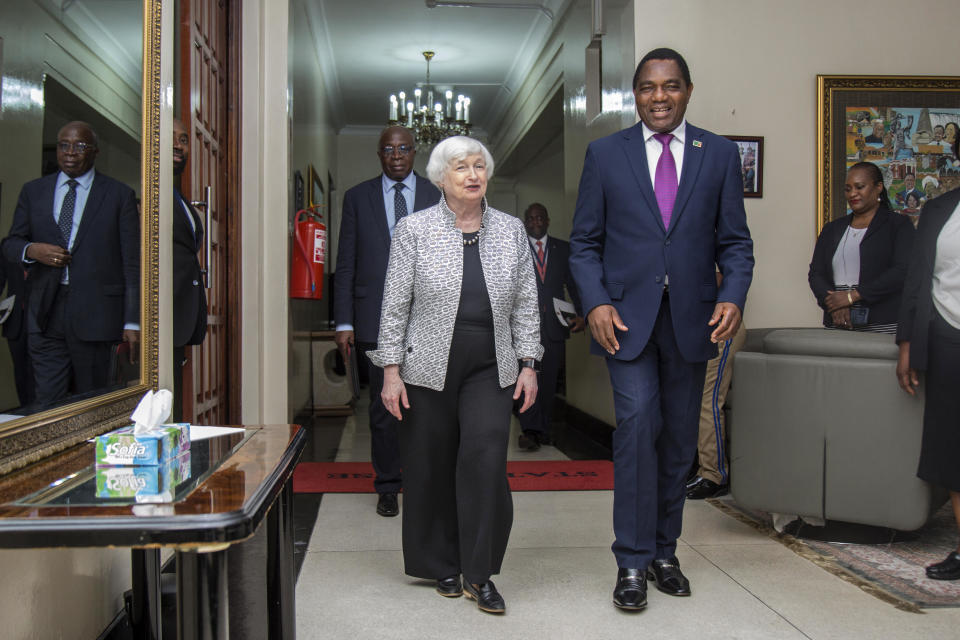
<point>237,482</point>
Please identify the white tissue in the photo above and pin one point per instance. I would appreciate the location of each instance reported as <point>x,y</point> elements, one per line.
<point>154,409</point>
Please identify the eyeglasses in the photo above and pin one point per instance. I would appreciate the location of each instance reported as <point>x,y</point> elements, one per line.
<point>404,150</point>
<point>75,147</point>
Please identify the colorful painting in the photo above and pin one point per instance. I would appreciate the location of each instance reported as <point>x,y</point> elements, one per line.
<point>913,148</point>
<point>751,164</point>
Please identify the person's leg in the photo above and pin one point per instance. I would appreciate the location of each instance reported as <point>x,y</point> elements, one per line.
<point>549,374</point>
<point>384,447</point>
<point>955,503</point>
<point>49,354</point>
<point>681,385</point>
<point>91,364</point>
<point>428,449</point>
<point>636,398</point>
<point>484,503</point>
<point>709,429</point>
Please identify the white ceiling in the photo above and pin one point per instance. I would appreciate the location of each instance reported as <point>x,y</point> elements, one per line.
<point>369,49</point>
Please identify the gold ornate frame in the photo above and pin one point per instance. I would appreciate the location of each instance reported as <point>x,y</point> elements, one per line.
<point>836,92</point>
<point>33,437</point>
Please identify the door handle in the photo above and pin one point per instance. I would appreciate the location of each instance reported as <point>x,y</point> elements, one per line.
<point>208,251</point>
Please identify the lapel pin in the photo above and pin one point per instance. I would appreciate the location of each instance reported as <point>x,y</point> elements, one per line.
<point>697,144</point>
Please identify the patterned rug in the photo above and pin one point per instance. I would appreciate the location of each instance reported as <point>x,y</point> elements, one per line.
<point>892,572</point>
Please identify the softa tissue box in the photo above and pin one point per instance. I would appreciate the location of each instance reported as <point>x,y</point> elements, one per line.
<point>123,447</point>
<point>145,483</point>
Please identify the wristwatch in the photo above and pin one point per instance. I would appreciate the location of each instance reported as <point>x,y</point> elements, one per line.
<point>530,363</point>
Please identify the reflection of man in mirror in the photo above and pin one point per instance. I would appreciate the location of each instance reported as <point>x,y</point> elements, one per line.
<point>189,298</point>
<point>77,233</point>
<point>371,210</point>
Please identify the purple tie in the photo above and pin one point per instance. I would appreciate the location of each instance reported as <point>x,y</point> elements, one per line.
<point>665,183</point>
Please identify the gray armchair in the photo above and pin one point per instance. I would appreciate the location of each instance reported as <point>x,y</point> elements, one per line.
<point>818,427</point>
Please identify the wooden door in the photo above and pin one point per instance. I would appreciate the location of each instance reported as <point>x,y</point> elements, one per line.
<point>208,56</point>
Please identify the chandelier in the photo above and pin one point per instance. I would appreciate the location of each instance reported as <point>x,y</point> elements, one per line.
<point>430,121</point>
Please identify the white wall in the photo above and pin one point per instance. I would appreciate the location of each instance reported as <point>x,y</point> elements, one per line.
<point>264,197</point>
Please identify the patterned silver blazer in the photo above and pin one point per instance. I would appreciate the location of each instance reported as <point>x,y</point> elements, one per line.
<point>422,294</point>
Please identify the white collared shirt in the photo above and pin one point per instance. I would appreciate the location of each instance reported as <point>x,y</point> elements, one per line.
<point>654,148</point>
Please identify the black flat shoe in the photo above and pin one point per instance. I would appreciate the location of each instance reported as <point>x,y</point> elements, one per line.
<point>387,505</point>
<point>702,488</point>
<point>487,597</point>
<point>670,580</point>
<point>630,594</point>
<point>529,441</point>
<point>949,569</point>
<point>450,587</point>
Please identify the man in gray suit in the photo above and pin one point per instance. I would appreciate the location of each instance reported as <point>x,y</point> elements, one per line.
<point>370,212</point>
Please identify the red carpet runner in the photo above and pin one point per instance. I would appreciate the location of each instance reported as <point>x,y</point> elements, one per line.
<point>541,475</point>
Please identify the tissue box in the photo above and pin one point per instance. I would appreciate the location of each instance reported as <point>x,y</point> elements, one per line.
<point>122,447</point>
<point>144,483</point>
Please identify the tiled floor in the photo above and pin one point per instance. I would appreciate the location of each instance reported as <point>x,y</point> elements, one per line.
<point>558,577</point>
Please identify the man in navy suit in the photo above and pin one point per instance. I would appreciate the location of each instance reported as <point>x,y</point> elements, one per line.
<point>189,297</point>
<point>77,233</point>
<point>370,212</point>
<point>660,206</point>
<point>551,263</point>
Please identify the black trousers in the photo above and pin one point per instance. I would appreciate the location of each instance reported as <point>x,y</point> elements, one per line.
<point>940,444</point>
<point>457,508</point>
<point>62,362</point>
<point>384,448</point>
<point>539,417</point>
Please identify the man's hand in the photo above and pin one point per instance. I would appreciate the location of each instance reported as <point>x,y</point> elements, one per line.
<point>132,336</point>
<point>394,391</point>
<point>907,377</point>
<point>603,320</point>
<point>527,385</point>
<point>577,324</point>
<point>344,342</point>
<point>48,254</point>
<point>726,318</point>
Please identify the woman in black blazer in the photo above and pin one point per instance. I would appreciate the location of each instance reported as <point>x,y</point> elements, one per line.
<point>929,339</point>
<point>860,261</point>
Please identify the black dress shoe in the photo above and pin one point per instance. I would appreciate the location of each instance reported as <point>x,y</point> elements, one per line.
<point>487,597</point>
<point>387,505</point>
<point>949,569</point>
<point>529,440</point>
<point>670,580</point>
<point>630,593</point>
<point>450,587</point>
<point>702,488</point>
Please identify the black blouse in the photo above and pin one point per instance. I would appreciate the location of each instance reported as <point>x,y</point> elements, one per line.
<point>474,310</point>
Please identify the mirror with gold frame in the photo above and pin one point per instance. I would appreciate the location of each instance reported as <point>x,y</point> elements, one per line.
<point>97,61</point>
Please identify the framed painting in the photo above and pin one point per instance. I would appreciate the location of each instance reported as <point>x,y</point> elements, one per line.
<point>906,125</point>
<point>751,164</point>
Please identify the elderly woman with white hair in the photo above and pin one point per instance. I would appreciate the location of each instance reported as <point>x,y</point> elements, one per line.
<point>459,341</point>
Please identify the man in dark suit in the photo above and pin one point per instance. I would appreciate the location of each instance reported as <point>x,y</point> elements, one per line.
<point>370,211</point>
<point>660,206</point>
<point>551,263</point>
<point>77,232</point>
<point>189,298</point>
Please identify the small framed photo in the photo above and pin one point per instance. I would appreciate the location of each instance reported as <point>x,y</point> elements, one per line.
<point>751,164</point>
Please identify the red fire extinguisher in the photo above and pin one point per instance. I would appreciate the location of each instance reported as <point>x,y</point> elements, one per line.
<point>309,254</point>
